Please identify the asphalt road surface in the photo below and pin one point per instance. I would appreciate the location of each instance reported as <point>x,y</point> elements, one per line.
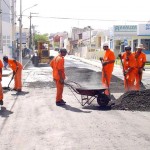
<point>32,121</point>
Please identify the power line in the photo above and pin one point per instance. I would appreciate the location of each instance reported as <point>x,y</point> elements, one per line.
<point>83,19</point>
<point>6,4</point>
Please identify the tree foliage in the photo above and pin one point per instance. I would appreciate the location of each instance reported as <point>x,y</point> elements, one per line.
<point>41,37</point>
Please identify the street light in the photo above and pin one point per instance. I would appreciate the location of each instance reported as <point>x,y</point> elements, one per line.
<point>20,28</point>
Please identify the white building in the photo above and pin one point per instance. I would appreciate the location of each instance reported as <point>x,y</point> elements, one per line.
<point>7,27</point>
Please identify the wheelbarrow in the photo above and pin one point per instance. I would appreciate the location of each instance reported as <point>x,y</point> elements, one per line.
<point>88,95</point>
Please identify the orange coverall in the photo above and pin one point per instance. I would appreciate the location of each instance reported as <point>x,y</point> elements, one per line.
<point>57,64</point>
<point>17,68</point>
<point>107,69</point>
<point>1,89</point>
<point>140,61</point>
<point>129,79</point>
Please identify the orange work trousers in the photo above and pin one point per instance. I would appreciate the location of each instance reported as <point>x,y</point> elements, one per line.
<point>59,92</point>
<point>18,80</point>
<point>106,78</point>
<point>1,91</point>
<point>138,78</point>
<point>129,82</point>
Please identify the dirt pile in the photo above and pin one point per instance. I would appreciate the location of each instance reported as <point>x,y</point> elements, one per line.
<point>134,100</point>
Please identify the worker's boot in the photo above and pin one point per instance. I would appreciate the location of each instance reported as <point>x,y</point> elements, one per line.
<point>19,90</point>
<point>1,102</point>
<point>63,101</point>
<point>60,103</point>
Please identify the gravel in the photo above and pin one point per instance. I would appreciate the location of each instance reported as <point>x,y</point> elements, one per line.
<point>134,100</point>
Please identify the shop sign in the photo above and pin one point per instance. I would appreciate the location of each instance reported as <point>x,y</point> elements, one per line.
<point>125,28</point>
<point>143,29</point>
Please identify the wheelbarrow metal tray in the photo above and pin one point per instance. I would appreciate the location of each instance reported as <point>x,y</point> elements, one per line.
<point>90,92</point>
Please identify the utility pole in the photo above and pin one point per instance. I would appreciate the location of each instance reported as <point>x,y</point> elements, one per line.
<point>1,35</point>
<point>30,34</point>
<point>13,27</point>
<point>20,31</point>
<point>20,27</point>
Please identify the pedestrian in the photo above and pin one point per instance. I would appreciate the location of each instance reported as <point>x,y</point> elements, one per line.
<point>1,89</point>
<point>17,72</point>
<point>108,61</point>
<point>140,62</point>
<point>129,65</point>
<point>57,64</point>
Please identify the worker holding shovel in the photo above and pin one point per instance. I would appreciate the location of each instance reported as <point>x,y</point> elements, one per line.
<point>17,72</point>
<point>128,65</point>
<point>107,66</point>
<point>140,62</point>
<point>1,89</point>
<point>57,64</point>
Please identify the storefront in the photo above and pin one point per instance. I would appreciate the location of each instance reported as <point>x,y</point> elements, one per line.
<point>120,36</point>
<point>143,37</point>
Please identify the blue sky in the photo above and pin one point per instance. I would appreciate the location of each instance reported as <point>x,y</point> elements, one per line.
<point>105,12</point>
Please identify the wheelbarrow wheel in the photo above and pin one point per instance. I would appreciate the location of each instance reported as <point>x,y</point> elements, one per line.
<point>103,100</point>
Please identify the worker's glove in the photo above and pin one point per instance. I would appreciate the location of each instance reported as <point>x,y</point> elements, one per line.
<point>140,70</point>
<point>119,55</point>
<point>101,58</point>
<point>126,71</point>
<point>62,81</point>
<point>14,72</point>
<point>105,63</point>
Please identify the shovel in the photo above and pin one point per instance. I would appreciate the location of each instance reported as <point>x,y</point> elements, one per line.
<point>8,88</point>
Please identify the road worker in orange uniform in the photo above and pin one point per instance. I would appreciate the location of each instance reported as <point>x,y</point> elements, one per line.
<point>17,72</point>
<point>129,65</point>
<point>57,64</point>
<point>140,62</point>
<point>108,64</point>
<point>1,89</point>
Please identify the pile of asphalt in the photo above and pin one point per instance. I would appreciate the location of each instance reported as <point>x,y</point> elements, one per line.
<point>134,101</point>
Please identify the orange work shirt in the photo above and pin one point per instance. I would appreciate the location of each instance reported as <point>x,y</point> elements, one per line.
<point>108,56</point>
<point>13,64</point>
<point>58,64</point>
<point>1,66</point>
<point>140,60</point>
<point>130,62</point>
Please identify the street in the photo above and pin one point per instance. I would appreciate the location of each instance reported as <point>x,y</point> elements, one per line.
<point>32,121</point>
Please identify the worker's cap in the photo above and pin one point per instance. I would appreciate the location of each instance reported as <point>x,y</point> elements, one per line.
<point>61,50</point>
<point>140,46</point>
<point>5,58</point>
<point>127,48</point>
<point>105,44</point>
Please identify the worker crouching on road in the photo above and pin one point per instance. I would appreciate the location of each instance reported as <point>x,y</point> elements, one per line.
<point>129,65</point>
<point>57,64</point>
<point>17,72</point>
<point>140,62</point>
<point>1,89</point>
<point>108,65</point>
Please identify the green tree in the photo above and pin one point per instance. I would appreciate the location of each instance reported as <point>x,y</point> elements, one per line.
<point>41,37</point>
